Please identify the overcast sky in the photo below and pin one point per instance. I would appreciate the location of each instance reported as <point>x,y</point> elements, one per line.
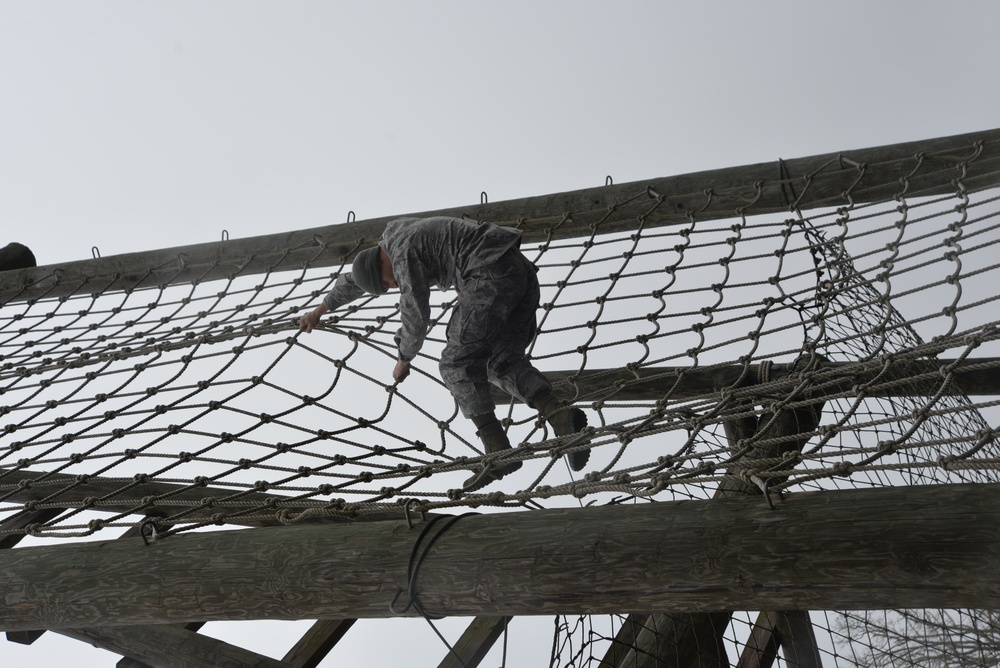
<point>130,126</point>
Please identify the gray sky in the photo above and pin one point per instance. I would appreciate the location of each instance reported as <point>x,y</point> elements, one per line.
<point>137,125</point>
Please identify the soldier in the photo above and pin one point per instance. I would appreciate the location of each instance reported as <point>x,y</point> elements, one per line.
<point>490,327</point>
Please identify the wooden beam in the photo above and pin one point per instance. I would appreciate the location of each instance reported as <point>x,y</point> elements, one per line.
<point>20,522</point>
<point>475,643</point>
<point>909,547</point>
<point>761,649</point>
<point>24,637</point>
<point>792,631</point>
<point>681,640</point>
<point>797,639</point>
<point>695,639</point>
<point>126,662</point>
<point>103,495</point>
<point>820,181</point>
<point>972,377</point>
<point>624,641</point>
<point>317,642</point>
<point>155,637</point>
<point>170,647</point>
<point>307,653</point>
<point>789,630</point>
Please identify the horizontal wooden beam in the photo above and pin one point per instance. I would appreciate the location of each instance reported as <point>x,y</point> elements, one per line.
<point>119,640</point>
<point>908,547</point>
<point>819,180</point>
<point>972,377</point>
<point>103,494</point>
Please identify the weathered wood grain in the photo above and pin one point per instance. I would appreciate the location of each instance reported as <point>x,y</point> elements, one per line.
<point>911,547</point>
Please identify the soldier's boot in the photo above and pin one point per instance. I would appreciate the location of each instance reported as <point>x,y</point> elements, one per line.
<point>565,420</point>
<point>495,440</point>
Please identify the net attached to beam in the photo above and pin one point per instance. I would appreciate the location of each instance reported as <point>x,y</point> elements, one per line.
<point>772,350</point>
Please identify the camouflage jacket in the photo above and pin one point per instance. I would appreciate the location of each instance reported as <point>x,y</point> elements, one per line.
<point>428,252</point>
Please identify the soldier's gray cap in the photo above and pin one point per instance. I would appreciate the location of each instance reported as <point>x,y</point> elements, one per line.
<point>366,271</point>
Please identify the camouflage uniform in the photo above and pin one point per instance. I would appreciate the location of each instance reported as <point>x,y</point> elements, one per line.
<point>493,320</point>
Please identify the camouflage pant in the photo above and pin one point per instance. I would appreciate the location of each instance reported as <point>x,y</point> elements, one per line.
<point>490,328</point>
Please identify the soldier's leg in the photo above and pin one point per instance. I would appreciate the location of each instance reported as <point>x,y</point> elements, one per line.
<point>477,317</point>
<point>510,369</point>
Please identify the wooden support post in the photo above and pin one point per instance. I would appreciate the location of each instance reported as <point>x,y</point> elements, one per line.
<point>792,631</point>
<point>317,642</point>
<point>696,639</point>
<point>684,640</point>
<point>624,641</point>
<point>924,546</point>
<point>796,636</point>
<point>475,643</point>
<point>761,649</point>
<point>789,630</point>
<point>170,647</point>
<point>797,639</point>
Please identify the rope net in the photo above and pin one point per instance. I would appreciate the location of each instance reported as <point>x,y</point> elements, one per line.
<point>776,350</point>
